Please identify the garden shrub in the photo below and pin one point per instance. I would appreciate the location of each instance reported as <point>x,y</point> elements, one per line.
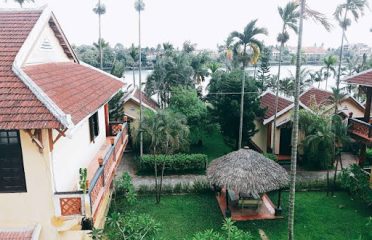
<point>174,163</point>
<point>125,188</point>
<point>356,181</point>
<point>228,231</point>
<point>271,156</point>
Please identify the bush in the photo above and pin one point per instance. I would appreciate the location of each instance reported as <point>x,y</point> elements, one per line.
<point>174,163</point>
<point>271,156</point>
<point>356,181</point>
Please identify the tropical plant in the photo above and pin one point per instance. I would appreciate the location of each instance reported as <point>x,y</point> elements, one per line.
<point>318,142</point>
<point>356,8</point>
<point>131,226</point>
<point>328,68</point>
<point>316,77</point>
<point>188,47</point>
<point>100,10</point>
<point>133,53</point>
<point>185,100</point>
<point>242,42</point>
<point>213,67</point>
<point>169,72</point>
<point>125,188</point>
<point>139,6</point>
<point>229,232</point>
<point>116,107</point>
<point>264,69</point>
<point>166,133</point>
<point>289,15</point>
<point>305,12</point>
<point>224,98</point>
<point>96,234</point>
<point>199,64</point>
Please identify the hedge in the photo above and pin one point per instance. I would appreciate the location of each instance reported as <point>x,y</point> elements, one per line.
<point>176,162</point>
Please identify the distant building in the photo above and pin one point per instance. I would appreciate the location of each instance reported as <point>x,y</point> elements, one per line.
<point>358,49</point>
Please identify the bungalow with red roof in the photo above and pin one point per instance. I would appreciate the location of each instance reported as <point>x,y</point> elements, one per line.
<point>54,123</point>
<point>313,99</point>
<point>360,128</point>
<point>131,104</point>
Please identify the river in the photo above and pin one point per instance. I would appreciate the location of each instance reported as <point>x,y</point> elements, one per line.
<point>285,72</point>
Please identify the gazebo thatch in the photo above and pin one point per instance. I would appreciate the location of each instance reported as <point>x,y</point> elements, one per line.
<point>248,172</point>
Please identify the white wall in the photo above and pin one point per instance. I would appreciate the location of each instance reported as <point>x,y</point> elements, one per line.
<point>36,205</point>
<point>70,154</point>
<point>46,49</point>
<point>260,138</point>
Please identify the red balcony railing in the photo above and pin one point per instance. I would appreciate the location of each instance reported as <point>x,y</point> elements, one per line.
<point>102,180</point>
<point>360,128</point>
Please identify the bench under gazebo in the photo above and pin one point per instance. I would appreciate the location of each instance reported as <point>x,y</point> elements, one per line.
<point>242,180</point>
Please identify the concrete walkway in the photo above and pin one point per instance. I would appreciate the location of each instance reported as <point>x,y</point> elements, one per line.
<point>127,165</point>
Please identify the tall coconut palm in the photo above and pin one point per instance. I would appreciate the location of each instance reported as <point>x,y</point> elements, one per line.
<point>305,12</point>
<point>328,68</point>
<point>289,15</point>
<point>356,8</point>
<point>292,182</point>
<point>242,42</point>
<point>100,9</point>
<point>139,5</point>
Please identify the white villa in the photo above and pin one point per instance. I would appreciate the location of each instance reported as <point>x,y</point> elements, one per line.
<point>54,121</point>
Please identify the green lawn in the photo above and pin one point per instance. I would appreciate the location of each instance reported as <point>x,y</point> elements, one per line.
<point>317,216</point>
<point>213,146</point>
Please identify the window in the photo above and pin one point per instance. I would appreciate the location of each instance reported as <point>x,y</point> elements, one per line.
<point>12,175</point>
<point>93,126</point>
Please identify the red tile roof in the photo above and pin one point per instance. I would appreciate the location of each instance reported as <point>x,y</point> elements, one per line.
<point>78,90</point>
<point>268,102</point>
<point>16,235</point>
<point>19,107</point>
<point>363,79</point>
<point>145,99</point>
<point>321,97</point>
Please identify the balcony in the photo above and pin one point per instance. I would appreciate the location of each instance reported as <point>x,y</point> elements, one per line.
<point>101,173</point>
<point>360,129</point>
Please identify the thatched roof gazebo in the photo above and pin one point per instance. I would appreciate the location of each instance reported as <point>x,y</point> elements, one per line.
<point>249,172</point>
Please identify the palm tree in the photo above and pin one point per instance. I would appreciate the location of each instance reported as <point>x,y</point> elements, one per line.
<point>139,5</point>
<point>242,42</point>
<point>305,12</point>
<point>100,9</point>
<point>213,67</point>
<point>289,15</point>
<point>329,63</point>
<point>316,77</point>
<point>356,8</point>
<point>292,183</point>
<point>199,64</point>
<point>133,53</point>
<point>166,132</point>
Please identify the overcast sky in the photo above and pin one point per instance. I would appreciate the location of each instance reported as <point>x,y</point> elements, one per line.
<point>205,22</point>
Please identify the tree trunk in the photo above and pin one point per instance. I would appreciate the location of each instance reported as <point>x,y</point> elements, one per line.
<point>100,37</point>
<point>241,110</point>
<point>292,184</point>
<point>277,96</point>
<point>140,81</point>
<point>156,181</point>
<point>161,180</point>
<point>340,59</point>
<point>134,76</point>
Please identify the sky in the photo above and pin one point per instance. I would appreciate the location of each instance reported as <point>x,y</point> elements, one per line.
<point>205,22</point>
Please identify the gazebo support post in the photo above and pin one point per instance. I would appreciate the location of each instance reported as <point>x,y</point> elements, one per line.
<point>278,209</point>
<point>227,211</point>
